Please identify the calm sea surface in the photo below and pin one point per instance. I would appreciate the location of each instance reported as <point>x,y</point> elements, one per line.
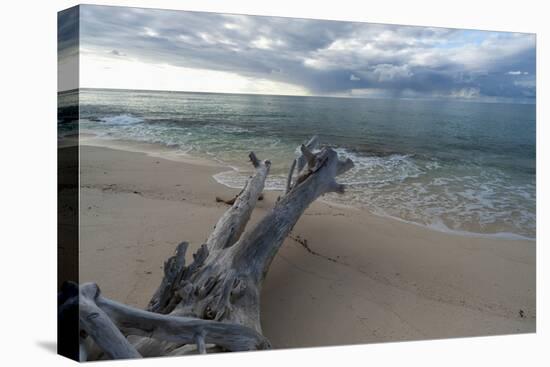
<point>455,166</point>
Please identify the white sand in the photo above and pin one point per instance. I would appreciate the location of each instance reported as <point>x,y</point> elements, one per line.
<point>370,279</point>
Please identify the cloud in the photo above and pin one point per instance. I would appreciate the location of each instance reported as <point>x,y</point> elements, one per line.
<point>117,53</point>
<point>389,72</point>
<point>321,57</point>
<point>466,93</point>
<point>517,72</point>
<point>149,32</point>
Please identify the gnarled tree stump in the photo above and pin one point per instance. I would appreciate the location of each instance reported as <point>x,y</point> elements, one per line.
<point>214,302</point>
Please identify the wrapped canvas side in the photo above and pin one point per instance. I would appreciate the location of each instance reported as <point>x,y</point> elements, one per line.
<point>67,182</point>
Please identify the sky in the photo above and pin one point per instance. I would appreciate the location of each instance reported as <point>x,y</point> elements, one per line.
<point>133,48</point>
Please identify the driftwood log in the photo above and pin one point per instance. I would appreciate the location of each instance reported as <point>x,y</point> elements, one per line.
<point>213,303</point>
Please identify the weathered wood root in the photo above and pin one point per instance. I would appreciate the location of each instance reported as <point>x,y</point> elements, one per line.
<point>108,323</point>
<point>173,272</point>
<point>227,285</point>
<point>216,299</point>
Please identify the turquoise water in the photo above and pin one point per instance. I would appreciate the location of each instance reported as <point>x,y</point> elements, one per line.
<point>457,166</point>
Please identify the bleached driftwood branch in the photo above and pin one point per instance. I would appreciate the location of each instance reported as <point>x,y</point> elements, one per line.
<point>231,225</point>
<point>216,299</point>
<point>105,320</point>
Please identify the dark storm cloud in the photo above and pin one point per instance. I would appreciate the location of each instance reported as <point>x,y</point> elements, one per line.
<point>324,57</point>
<point>117,53</point>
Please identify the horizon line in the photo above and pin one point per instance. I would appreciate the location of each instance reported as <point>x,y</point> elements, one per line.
<point>530,101</point>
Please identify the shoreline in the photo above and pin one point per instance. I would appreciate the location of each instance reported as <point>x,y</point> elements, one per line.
<point>343,276</point>
<point>163,152</point>
<point>147,148</point>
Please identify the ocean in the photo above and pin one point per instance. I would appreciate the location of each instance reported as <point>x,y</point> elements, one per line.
<point>455,166</point>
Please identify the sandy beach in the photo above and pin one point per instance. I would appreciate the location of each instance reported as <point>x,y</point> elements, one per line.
<point>344,276</point>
